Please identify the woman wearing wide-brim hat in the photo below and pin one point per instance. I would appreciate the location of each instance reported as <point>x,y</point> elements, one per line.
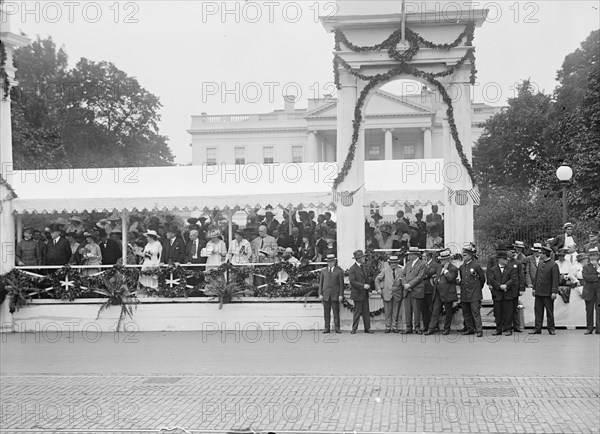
<point>215,250</point>
<point>91,253</point>
<point>151,255</point>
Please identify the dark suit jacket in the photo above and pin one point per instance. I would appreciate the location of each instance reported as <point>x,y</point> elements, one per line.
<point>58,254</point>
<point>517,265</point>
<point>171,254</point>
<point>471,285</point>
<point>509,277</point>
<point>591,282</point>
<point>413,276</point>
<point>430,273</point>
<point>359,277</point>
<point>111,253</point>
<point>294,244</point>
<point>445,284</point>
<point>559,242</point>
<point>530,270</point>
<point>331,285</point>
<point>546,280</point>
<point>189,252</point>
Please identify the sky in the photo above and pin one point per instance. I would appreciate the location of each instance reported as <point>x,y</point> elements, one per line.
<point>233,57</point>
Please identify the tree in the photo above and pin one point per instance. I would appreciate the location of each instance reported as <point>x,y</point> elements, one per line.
<point>91,115</point>
<point>574,75</point>
<point>514,149</point>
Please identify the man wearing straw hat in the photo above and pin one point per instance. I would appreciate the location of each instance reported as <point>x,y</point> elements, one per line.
<point>414,290</point>
<point>591,290</point>
<point>331,292</point>
<point>472,279</point>
<point>545,289</point>
<point>360,287</point>
<point>389,284</point>
<point>444,295</point>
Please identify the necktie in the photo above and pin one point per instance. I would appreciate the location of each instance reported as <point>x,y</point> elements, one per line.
<point>331,270</point>
<point>55,242</point>
<point>394,273</point>
<point>262,242</point>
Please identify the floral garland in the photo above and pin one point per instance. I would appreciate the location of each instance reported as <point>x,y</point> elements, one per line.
<point>3,74</point>
<point>5,183</point>
<point>351,308</point>
<point>414,40</point>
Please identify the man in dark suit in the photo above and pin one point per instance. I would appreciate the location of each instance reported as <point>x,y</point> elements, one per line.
<point>591,290</point>
<point>58,249</point>
<point>545,288</point>
<point>331,291</point>
<point>414,289</point>
<point>566,239</point>
<point>294,240</point>
<point>502,280</point>
<point>360,287</point>
<point>173,250</point>
<point>592,243</point>
<point>472,279</point>
<point>110,250</point>
<point>444,287</point>
<point>516,259</point>
<point>433,266</point>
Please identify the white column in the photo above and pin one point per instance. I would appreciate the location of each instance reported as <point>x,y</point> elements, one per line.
<point>389,155</point>
<point>350,219</point>
<point>312,150</point>
<point>427,150</point>
<point>7,220</point>
<point>458,221</point>
<point>124,238</point>
<point>19,224</point>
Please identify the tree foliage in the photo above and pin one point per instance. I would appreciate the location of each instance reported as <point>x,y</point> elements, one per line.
<point>93,115</point>
<point>522,146</point>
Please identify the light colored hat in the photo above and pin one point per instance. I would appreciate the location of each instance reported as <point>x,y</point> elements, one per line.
<point>581,257</point>
<point>445,254</point>
<point>152,232</point>
<point>76,219</point>
<point>567,225</point>
<point>519,244</point>
<point>114,217</point>
<point>330,257</point>
<point>394,258</point>
<point>537,247</point>
<point>61,221</point>
<point>469,248</point>
<point>213,233</point>
<point>414,250</point>
<point>103,223</point>
<point>593,251</point>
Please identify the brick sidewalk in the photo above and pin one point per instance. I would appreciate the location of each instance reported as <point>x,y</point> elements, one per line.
<point>293,403</point>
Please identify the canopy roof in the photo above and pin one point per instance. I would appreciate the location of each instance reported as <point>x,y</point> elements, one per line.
<point>389,182</point>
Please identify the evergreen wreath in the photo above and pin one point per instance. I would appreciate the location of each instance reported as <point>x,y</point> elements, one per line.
<point>390,43</point>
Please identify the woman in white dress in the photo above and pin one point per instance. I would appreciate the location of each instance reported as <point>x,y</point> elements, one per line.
<point>151,255</point>
<point>240,250</point>
<point>215,250</point>
<point>91,254</point>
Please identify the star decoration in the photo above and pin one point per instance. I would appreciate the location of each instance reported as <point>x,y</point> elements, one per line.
<point>172,281</point>
<point>67,283</point>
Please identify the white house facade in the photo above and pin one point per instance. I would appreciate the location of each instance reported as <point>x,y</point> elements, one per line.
<point>396,128</point>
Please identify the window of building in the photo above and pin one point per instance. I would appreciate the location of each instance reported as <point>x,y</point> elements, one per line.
<point>409,151</point>
<point>374,152</point>
<point>268,154</point>
<point>211,156</point>
<point>297,154</point>
<point>240,155</point>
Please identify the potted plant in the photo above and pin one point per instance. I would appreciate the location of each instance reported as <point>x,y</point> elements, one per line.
<point>118,294</point>
<point>223,291</point>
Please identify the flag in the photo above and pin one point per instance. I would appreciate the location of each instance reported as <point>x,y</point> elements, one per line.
<point>475,196</point>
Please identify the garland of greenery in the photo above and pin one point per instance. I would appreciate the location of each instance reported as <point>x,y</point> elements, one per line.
<point>3,74</point>
<point>69,291</point>
<point>5,183</point>
<point>390,44</point>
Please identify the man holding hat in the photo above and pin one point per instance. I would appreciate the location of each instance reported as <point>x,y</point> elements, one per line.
<point>503,280</point>
<point>58,250</point>
<point>591,290</point>
<point>566,239</point>
<point>545,289</point>
<point>331,292</point>
<point>389,284</point>
<point>444,293</point>
<point>360,287</point>
<point>414,289</point>
<point>472,279</point>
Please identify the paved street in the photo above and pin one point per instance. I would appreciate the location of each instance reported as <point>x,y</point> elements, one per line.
<point>299,382</point>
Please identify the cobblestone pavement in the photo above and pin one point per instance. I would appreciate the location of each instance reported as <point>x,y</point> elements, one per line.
<point>298,403</point>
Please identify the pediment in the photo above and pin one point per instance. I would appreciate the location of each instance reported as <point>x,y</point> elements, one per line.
<point>380,104</point>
